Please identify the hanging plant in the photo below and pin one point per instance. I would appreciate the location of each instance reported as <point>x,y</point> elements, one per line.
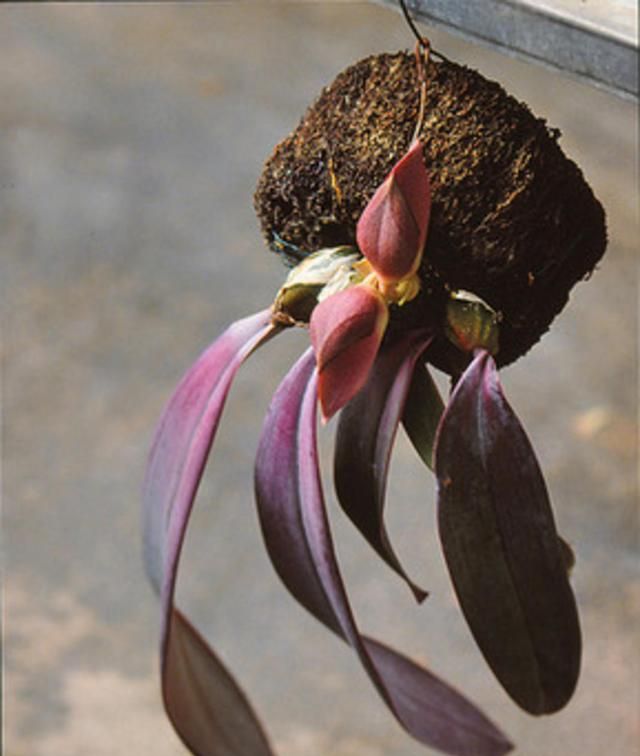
<point>429,220</point>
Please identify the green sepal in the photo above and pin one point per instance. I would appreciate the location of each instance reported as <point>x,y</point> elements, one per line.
<point>422,413</point>
<point>471,323</point>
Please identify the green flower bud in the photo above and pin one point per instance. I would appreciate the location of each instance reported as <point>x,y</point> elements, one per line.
<point>472,323</point>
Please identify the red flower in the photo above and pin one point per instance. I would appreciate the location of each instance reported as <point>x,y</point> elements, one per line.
<point>346,333</point>
<point>392,230</point>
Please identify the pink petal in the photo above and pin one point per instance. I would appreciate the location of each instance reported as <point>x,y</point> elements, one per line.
<point>346,332</point>
<point>392,230</point>
<point>205,704</point>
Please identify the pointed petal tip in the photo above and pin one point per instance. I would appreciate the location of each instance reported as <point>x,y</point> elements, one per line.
<point>504,746</point>
<point>419,594</point>
<point>327,411</point>
<point>414,155</point>
<point>392,229</point>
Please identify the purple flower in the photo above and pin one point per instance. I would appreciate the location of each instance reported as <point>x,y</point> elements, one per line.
<point>506,560</point>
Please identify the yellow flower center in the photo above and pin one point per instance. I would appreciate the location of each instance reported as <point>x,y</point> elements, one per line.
<point>394,292</point>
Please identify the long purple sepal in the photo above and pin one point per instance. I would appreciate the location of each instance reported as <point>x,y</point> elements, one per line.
<point>205,704</point>
<point>296,532</point>
<point>501,545</point>
<point>364,440</point>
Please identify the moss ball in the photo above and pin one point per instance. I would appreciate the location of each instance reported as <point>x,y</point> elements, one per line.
<point>513,219</point>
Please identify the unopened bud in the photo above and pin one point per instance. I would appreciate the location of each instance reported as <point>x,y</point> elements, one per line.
<point>472,323</point>
<point>392,230</point>
<point>316,277</point>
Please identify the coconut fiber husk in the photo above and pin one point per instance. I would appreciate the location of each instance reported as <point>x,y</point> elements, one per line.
<point>513,219</point>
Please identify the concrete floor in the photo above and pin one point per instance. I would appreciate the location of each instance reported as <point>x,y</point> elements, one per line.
<point>132,137</point>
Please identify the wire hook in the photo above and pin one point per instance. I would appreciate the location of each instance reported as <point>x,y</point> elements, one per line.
<point>411,23</point>
<point>423,42</point>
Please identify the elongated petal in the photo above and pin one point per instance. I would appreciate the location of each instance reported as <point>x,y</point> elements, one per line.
<point>206,706</point>
<point>501,545</point>
<point>365,436</point>
<point>392,230</point>
<point>346,332</point>
<point>422,413</point>
<point>296,531</point>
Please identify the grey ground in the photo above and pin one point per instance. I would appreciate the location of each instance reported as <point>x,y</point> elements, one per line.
<point>131,140</point>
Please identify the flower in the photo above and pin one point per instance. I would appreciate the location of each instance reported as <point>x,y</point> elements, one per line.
<point>506,560</point>
<point>392,230</point>
<point>346,333</point>
<point>347,328</point>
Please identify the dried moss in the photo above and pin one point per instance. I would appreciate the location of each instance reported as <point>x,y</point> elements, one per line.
<point>513,219</point>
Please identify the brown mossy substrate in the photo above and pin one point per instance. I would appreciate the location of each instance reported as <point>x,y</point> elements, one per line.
<point>513,219</point>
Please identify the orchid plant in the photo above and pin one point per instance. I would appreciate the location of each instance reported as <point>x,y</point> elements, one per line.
<point>508,565</point>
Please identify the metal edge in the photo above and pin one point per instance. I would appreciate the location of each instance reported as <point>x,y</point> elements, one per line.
<point>591,54</point>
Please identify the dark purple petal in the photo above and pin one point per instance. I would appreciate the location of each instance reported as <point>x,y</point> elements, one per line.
<point>364,440</point>
<point>501,545</point>
<point>204,702</point>
<point>422,412</point>
<point>296,532</point>
<point>207,708</point>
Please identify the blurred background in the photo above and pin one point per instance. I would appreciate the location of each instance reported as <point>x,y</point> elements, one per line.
<point>132,139</point>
